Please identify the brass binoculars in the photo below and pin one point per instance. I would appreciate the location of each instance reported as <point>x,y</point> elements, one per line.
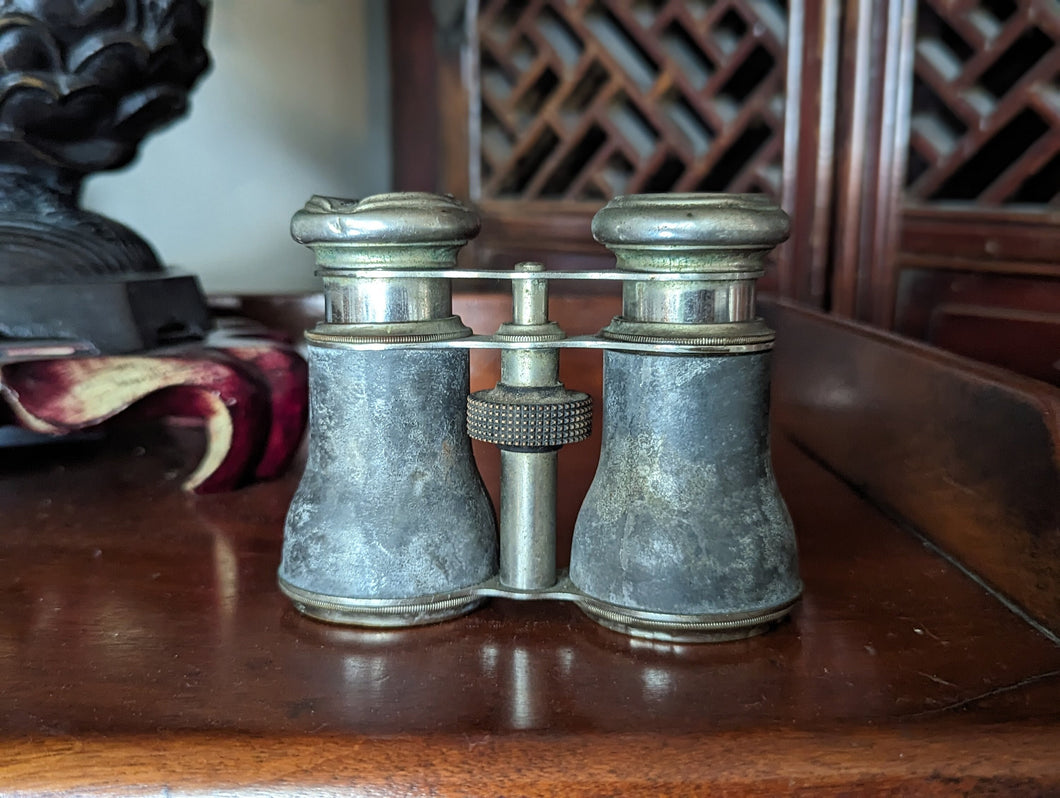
<point>683,535</point>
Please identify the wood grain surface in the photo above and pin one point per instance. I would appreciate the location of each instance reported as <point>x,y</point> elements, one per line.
<point>997,761</point>
<point>145,650</point>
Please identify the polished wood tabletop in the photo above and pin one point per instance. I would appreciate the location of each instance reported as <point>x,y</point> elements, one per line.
<point>146,649</point>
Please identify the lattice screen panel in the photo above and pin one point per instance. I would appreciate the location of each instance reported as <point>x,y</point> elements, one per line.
<point>985,125</point>
<point>586,99</point>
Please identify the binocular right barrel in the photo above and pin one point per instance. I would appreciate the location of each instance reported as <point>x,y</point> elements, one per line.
<point>683,534</point>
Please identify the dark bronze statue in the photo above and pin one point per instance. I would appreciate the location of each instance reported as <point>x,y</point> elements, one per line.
<point>81,84</point>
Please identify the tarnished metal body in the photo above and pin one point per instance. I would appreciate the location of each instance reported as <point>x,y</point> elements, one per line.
<point>683,535</point>
<point>391,506</point>
<point>684,516</point>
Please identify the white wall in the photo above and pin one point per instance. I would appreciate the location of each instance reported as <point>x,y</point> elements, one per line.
<point>297,103</point>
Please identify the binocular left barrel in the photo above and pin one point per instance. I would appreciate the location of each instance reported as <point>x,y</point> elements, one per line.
<point>391,514</point>
<point>683,534</point>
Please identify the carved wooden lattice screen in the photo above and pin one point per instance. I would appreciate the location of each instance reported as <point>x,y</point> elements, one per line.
<point>586,100</point>
<point>542,110</point>
<point>979,263</point>
<point>916,143</point>
<point>572,102</point>
<point>985,126</point>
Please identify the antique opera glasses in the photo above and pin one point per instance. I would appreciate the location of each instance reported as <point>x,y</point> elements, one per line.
<point>683,535</point>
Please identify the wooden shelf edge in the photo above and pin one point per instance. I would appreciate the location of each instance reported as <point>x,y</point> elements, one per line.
<point>934,760</point>
<point>965,452</point>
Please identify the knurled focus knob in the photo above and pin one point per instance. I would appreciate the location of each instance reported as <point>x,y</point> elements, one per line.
<point>532,422</point>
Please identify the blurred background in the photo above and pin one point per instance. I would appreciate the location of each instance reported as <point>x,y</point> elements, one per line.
<point>296,103</point>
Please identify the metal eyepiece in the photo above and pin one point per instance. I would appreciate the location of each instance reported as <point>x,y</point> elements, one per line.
<point>723,238</point>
